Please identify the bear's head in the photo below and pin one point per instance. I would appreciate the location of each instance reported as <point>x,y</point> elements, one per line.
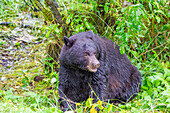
<point>80,51</point>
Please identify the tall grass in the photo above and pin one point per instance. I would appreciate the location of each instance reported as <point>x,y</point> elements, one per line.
<point>142,31</point>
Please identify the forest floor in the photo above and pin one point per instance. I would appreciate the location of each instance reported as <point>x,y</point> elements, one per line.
<point>22,55</point>
<point>25,85</point>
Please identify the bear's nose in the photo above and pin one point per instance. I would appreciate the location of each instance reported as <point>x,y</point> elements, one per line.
<point>96,64</point>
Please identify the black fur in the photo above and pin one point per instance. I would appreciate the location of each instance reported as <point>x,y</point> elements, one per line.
<point>116,79</point>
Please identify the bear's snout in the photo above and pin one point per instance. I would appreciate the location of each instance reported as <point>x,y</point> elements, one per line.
<point>93,64</point>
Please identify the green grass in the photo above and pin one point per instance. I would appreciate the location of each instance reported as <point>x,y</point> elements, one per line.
<point>27,102</point>
<point>145,39</point>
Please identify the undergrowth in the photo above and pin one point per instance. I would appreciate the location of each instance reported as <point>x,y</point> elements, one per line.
<point>141,29</point>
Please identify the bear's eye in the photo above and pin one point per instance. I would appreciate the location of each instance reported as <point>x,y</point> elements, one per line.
<point>87,54</point>
<point>95,53</point>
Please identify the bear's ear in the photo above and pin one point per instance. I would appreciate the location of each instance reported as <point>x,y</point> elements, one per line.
<point>67,41</point>
<point>90,34</point>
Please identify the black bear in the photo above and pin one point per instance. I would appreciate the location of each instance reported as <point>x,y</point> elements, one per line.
<point>89,63</point>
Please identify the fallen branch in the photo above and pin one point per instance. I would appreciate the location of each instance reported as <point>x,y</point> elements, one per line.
<point>20,24</point>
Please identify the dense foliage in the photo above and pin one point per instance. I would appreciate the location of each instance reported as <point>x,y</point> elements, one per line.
<point>140,27</point>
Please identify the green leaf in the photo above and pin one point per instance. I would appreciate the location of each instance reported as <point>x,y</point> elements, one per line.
<point>124,9</point>
<point>122,106</point>
<point>109,108</point>
<point>48,33</point>
<point>1,42</point>
<point>17,44</point>
<point>156,3</point>
<point>156,83</point>
<point>87,25</point>
<point>135,53</point>
<point>168,14</point>
<point>148,98</point>
<point>89,102</point>
<point>144,88</point>
<point>155,54</point>
<point>158,19</point>
<point>160,11</point>
<point>166,92</point>
<point>105,8</point>
<point>149,83</point>
<point>168,79</point>
<point>150,6</point>
<point>167,72</point>
<point>67,21</point>
<point>168,100</point>
<point>138,39</point>
<point>122,49</point>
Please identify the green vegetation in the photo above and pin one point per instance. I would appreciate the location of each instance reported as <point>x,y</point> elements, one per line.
<point>140,27</point>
